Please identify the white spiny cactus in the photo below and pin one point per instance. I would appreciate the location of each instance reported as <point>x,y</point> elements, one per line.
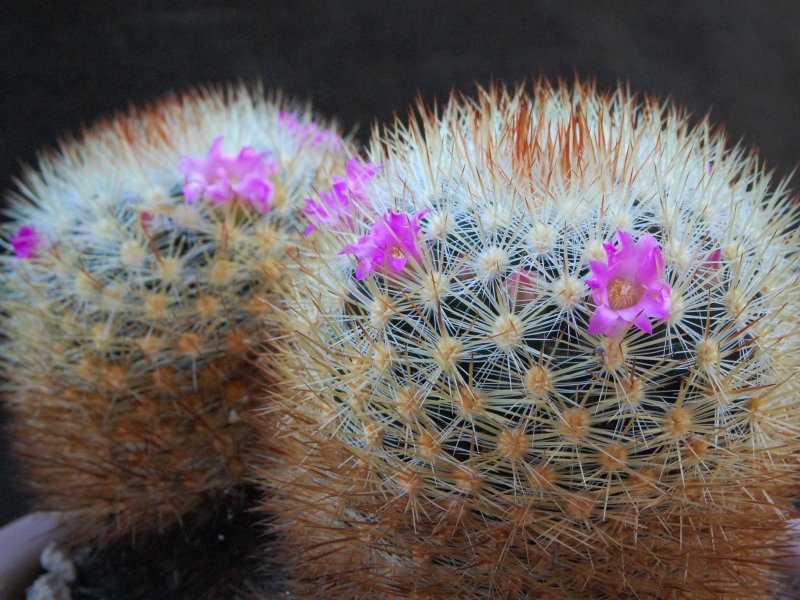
<point>463,415</point>
<point>146,267</point>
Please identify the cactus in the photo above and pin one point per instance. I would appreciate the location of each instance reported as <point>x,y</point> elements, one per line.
<point>549,351</point>
<point>145,268</point>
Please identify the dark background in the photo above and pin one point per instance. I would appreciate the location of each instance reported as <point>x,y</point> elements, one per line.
<point>63,65</point>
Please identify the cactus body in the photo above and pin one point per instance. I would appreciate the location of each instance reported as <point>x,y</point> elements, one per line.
<point>453,430</point>
<point>132,308</point>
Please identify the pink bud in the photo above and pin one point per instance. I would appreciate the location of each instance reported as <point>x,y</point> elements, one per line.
<point>523,287</point>
<point>26,241</point>
<point>710,268</point>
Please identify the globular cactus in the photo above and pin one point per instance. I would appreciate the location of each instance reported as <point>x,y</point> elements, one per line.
<point>550,351</point>
<point>146,259</point>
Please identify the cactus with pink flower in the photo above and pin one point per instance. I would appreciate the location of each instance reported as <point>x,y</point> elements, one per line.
<point>143,272</point>
<point>544,351</point>
<point>527,346</point>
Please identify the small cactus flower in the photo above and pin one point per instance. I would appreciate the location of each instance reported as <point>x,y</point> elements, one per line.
<point>25,242</point>
<point>391,242</point>
<point>225,177</point>
<point>334,208</point>
<point>629,288</point>
<point>359,174</point>
<point>310,131</point>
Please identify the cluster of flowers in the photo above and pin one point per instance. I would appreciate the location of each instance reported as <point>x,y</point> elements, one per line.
<point>628,288</point>
<point>223,177</point>
<point>392,239</point>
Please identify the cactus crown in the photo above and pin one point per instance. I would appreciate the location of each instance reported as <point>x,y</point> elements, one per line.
<point>125,266</point>
<point>471,425</point>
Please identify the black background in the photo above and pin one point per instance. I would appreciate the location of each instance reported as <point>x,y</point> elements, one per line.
<point>62,65</point>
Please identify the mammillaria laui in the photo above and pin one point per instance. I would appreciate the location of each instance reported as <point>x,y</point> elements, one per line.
<point>496,400</point>
<point>529,346</point>
<point>147,258</point>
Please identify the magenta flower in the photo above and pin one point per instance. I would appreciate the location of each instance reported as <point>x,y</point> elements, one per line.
<point>629,287</point>
<point>26,241</point>
<point>359,174</point>
<point>309,131</point>
<point>390,243</point>
<point>226,177</point>
<point>334,208</point>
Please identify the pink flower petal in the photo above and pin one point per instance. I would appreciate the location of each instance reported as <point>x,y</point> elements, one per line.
<point>227,177</point>
<point>647,243</point>
<point>629,314</point>
<point>656,304</point>
<point>625,239</point>
<point>649,269</point>
<point>256,190</point>
<point>601,273</point>
<point>603,321</point>
<point>643,323</point>
<point>610,249</point>
<point>26,242</point>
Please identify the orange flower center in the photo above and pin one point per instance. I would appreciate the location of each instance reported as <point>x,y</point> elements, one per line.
<point>397,252</point>
<point>623,293</point>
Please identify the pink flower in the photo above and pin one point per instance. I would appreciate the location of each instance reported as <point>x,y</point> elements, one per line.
<point>26,241</point>
<point>389,245</point>
<point>359,174</point>
<point>334,207</point>
<point>309,131</point>
<point>225,177</point>
<point>629,287</point>
<point>290,121</point>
